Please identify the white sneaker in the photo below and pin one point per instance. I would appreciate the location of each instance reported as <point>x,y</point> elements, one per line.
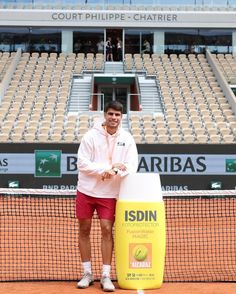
<point>106,284</point>
<point>86,281</point>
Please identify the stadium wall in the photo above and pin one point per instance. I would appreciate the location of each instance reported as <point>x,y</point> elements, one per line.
<point>181,167</point>
<point>117,18</point>
<point>57,30</point>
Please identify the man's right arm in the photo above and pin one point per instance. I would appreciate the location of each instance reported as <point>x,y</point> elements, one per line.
<point>86,161</point>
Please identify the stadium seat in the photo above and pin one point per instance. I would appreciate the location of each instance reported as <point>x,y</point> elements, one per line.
<point>161,131</point>
<point>55,137</point>
<point>4,136</point>
<point>135,124</point>
<point>212,131</point>
<point>163,139</point>
<point>148,131</point>
<point>147,124</point>
<point>188,131</point>
<point>228,139</point>
<point>69,138</point>
<point>16,137</point>
<point>215,138</point>
<point>150,139</point>
<point>29,137</point>
<point>138,138</point>
<point>188,139</point>
<point>134,117</point>
<point>136,131</point>
<point>176,138</point>
<point>42,138</point>
<point>202,139</point>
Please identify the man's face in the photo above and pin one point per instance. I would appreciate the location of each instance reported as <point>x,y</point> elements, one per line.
<point>112,118</point>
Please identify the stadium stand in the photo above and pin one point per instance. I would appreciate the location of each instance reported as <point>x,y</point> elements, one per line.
<point>195,110</point>
<point>194,103</point>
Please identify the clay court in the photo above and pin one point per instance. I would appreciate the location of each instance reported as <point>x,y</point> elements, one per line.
<point>70,288</point>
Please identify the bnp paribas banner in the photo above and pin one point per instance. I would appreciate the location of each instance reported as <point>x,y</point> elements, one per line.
<point>181,167</point>
<point>55,163</point>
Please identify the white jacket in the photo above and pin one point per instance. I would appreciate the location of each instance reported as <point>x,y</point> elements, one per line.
<point>93,159</point>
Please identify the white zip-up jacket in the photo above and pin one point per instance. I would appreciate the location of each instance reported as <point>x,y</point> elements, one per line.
<point>97,152</point>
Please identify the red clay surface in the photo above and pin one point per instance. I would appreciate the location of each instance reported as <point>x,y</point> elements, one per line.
<point>70,288</point>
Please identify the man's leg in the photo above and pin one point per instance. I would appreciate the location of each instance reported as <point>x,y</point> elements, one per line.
<point>107,240</point>
<point>84,239</point>
<point>107,248</point>
<point>85,252</point>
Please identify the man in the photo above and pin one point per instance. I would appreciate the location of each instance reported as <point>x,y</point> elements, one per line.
<point>109,48</point>
<point>106,154</point>
<point>119,49</point>
<point>147,47</point>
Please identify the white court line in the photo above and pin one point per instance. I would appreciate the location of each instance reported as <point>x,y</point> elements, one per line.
<point>140,292</point>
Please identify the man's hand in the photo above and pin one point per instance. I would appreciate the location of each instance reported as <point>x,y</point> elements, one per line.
<point>113,172</point>
<point>108,174</point>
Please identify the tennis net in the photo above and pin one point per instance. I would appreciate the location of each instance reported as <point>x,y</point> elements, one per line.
<point>39,236</point>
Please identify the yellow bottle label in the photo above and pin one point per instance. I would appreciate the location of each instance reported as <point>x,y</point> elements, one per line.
<point>140,244</point>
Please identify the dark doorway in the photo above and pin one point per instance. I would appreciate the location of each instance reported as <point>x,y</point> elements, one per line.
<point>109,93</point>
<point>114,39</point>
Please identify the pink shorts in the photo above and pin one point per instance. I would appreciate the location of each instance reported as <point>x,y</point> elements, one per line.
<point>86,205</point>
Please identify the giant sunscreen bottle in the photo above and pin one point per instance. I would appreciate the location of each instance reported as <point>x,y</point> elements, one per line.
<point>140,232</point>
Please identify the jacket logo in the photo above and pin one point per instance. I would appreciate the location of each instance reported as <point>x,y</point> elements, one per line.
<point>120,143</point>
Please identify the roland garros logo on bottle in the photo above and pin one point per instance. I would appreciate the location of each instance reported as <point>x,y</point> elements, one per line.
<point>140,255</point>
<point>48,163</point>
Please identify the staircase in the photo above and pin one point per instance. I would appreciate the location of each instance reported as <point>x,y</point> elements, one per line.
<point>150,95</point>
<point>114,68</point>
<point>125,123</point>
<point>80,94</point>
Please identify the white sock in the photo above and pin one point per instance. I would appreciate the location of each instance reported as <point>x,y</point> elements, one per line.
<point>106,268</point>
<point>87,267</point>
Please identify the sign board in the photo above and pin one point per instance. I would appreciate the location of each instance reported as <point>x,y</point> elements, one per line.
<point>181,167</point>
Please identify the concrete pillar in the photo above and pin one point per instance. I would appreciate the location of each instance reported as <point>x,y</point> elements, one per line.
<point>234,42</point>
<point>67,41</point>
<point>159,42</point>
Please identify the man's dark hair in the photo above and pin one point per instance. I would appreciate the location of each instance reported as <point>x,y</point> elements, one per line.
<point>114,105</point>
